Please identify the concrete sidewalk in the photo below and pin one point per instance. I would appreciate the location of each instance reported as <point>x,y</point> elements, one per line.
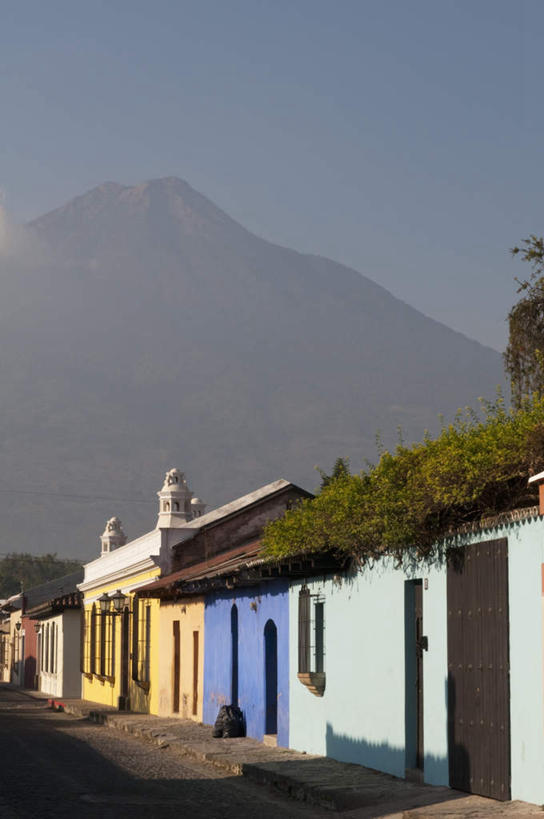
<point>359,792</point>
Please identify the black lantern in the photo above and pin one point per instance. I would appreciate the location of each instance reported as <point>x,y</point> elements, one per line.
<point>104,603</point>
<point>119,601</point>
<point>18,625</point>
<point>37,626</point>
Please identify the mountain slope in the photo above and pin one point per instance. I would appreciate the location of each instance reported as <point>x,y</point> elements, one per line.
<point>154,330</point>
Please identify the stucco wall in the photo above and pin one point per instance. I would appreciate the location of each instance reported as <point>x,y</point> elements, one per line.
<point>361,716</point>
<point>271,602</point>
<point>242,527</point>
<point>30,660</point>
<point>190,614</point>
<point>17,650</point>
<point>71,662</point>
<point>107,692</point>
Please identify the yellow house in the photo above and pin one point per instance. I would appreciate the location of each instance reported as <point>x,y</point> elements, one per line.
<point>122,633</point>
<point>181,639</point>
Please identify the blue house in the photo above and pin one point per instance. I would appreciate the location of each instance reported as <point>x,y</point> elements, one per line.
<point>247,643</point>
<point>246,657</point>
<point>246,608</point>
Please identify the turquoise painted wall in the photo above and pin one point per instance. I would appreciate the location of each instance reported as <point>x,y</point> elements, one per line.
<point>361,717</point>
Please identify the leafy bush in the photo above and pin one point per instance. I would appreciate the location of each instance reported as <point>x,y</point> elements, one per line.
<point>476,467</point>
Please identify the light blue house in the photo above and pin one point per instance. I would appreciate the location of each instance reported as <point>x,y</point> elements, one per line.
<point>431,671</point>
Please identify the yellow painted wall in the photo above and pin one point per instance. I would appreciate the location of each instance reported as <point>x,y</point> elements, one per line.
<point>107,692</point>
<point>190,613</point>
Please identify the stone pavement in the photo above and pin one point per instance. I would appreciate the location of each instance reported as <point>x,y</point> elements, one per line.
<point>357,792</point>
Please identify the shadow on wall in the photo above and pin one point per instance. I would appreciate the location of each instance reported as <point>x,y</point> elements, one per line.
<point>460,768</point>
<point>378,755</point>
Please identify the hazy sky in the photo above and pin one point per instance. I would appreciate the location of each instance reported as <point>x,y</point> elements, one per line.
<point>402,138</point>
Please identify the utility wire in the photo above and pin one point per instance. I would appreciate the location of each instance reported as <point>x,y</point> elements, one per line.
<point>74,497</point>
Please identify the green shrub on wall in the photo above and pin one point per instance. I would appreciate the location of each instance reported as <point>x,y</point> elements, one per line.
<point>476,467</point>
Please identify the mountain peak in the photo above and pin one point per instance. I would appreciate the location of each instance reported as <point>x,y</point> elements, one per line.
<point>155,210</point>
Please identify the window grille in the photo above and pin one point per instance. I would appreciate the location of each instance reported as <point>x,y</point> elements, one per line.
<point>47,647</point>
<point>319,634</point>
<point>107,631</point>
<point>84,645</point>
<point>311,632</point>
<point>135,608</point>
<point>105,652</point>
<point>304,621</point>
<point>92,641</point>
<point>141,641</point>
<point>53,660</point>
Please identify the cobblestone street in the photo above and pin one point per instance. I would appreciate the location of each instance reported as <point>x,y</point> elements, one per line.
<point>58,765</point>
<point>54,765</point>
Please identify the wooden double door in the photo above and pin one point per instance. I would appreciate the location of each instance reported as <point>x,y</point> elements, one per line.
<point>478,669</point>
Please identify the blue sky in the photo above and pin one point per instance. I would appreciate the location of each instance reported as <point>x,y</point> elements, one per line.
<point>401,138</point>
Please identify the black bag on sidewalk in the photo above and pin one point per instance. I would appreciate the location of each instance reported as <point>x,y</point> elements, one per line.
<point>229,722</point>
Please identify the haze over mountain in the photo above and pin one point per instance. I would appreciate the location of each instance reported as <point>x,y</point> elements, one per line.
<point>142,328</point>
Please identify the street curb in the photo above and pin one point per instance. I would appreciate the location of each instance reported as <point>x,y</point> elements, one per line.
<point>220,758</point>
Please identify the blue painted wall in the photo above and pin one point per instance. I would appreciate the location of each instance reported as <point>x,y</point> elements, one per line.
<point>271,603</point>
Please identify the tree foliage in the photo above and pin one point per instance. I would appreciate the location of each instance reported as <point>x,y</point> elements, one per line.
<point>476,467</point>
<point>24,571</point>
<point>339,470</point>
<point>524,356</point>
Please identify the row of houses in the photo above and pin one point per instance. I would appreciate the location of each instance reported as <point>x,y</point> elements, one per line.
<point>429,670</point>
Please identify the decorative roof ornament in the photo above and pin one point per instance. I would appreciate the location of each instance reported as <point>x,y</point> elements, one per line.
<point>198,507</point>
<point>113,535</point>
<point>174,501</point>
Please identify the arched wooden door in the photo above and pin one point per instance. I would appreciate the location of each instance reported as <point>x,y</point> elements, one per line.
<point>271,677</point>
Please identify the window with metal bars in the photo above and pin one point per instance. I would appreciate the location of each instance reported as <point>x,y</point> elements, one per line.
<point>92,640</point>
<point>141,641</point>
<point>106,655</point>
<point>47,647</point>
<point>110,645</point>
<point>311,632</point>
<point>53,656</point>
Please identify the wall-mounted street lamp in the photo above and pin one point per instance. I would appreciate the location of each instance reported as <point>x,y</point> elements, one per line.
<point>18,625</point>
<point>104,603</point>
<point>37,627</point>
<point>119,601</point>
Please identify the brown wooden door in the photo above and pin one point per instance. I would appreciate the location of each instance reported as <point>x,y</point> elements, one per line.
<point>125,658</point>
<point>175,666</point>
<point>478,669</point>
<point>195,672</point>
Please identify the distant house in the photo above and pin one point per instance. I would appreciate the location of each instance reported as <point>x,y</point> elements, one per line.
<point>51,622</point>
<point>12,640</point>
